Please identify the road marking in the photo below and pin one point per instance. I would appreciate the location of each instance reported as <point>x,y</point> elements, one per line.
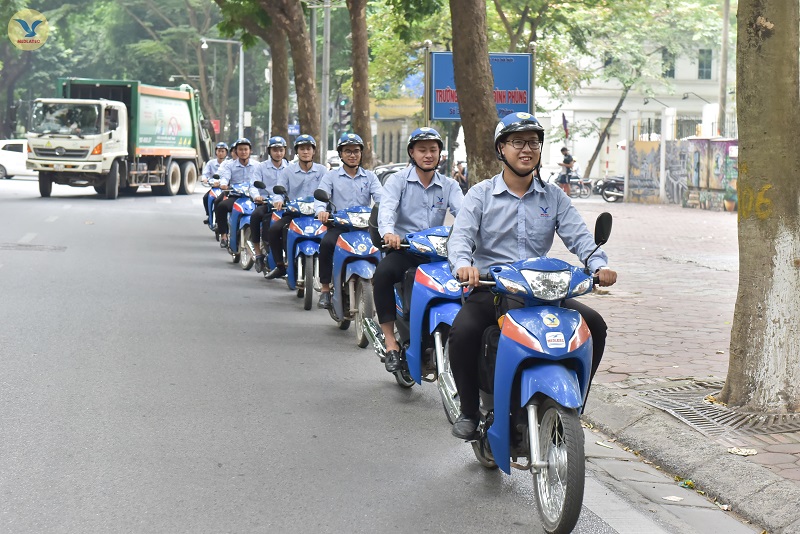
<point>163,201</point>
<point>27,238</point>
<point>52,218</point>
<point>66,206</point>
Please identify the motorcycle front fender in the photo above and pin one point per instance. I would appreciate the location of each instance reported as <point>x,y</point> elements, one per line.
<point>360,268</point>
<point>552,380</point>
<point>306,248</point>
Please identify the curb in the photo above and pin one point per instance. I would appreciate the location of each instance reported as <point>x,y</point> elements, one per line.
<point>752,491</point>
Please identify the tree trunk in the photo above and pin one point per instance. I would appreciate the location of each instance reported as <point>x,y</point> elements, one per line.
<point>604,135</point>
<point>764,371</point>
<point>288,14</point>
<point>276,38</point>
<point>361,119</point>
<point>475,84</point>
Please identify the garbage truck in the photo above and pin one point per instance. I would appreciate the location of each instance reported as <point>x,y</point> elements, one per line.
<point>118,135</point>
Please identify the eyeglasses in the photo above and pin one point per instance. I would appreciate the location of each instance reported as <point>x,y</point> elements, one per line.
<point>519,144</point>
<point>355,152</point>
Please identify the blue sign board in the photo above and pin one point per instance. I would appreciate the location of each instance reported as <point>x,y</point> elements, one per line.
<point>294,129</point>
<point>512,85</point>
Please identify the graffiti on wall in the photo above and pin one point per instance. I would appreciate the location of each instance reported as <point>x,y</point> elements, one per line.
<point>643,165</point>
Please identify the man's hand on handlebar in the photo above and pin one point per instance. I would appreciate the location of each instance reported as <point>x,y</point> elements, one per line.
<point>606,277</point>
<point>224,187</point>
<point>259,200</point>
<point>323,216</point>
<point>391,241</point>
<point>469,275</point>
<point>278,204</point>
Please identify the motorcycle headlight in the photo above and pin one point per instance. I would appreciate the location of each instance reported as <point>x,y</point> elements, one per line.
<point>422,247</point>
<point>439,243</point>
<point>548,285</point>
<point>583,287</point>
<point>512,286</point>
<point>358,220</point>
<point>306,208</point>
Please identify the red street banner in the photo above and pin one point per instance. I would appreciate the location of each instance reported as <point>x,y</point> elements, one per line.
<point>215,124</point>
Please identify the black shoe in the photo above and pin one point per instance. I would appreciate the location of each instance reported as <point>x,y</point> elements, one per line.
<point>259,263</point>
<point>278,272</point>
<point>466,428</point>
<point>223,243</point>
<point>392,362</point>
<point>324,300</point>
<point>205,221</point>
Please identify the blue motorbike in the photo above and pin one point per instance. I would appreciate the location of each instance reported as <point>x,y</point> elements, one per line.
<point>534,378</point>
<point>427,301</point>
<point>239,246</point>
<point>213,194</point>
<point>302,239</point>
<point>354,261</point>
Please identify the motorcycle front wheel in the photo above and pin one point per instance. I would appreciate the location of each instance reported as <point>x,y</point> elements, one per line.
<point>586,191</point>
<point>365,309</point>
<point>308,277</point>
<point>247,257</point>
<point>558,487</point>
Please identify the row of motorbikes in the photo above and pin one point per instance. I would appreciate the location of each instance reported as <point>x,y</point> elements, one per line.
<point>536,362</point>
<point>611,188</point>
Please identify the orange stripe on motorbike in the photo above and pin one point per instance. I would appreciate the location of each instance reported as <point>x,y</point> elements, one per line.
<point>341,243</point>
<point>515,332</point>
<point>238,208</point>
<point>275,217</point>
<point>428,281</point>
<point>294,228</point>
<point>580,336</point>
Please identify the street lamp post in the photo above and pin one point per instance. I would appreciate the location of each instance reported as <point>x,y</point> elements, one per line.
<point>204,46</point>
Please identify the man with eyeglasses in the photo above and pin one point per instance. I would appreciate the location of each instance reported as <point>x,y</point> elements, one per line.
<point>509,217</point>
<point>349,185</point>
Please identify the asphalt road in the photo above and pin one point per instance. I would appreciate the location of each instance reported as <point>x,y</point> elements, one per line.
<point>149,385</point>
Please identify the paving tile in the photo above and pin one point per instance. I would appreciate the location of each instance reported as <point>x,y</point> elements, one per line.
<point>791,474</point>
<point>772,458</point>
<point>709,521</point>
<point>656,492</point>
<point>789,448</point>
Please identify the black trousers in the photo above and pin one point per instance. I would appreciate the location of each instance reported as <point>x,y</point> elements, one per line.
<point>466,337</point>
<point>390,271</point>
<point>205,201</point>
<point>256,220</point>
<point>326,248</point>
<point>275,236</point>
<point>221,211</point>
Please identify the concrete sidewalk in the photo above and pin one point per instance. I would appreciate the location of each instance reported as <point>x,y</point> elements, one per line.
<point>669,318</point>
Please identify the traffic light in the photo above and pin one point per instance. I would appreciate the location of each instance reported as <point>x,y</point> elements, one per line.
<point>345,114</point>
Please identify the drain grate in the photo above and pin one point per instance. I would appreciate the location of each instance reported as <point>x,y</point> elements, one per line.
<point>686,403</point>
<point>32,248</point>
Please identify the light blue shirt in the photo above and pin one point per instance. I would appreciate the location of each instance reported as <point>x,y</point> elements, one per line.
<point>346,191</point>
<point>300,183</point>
<point>268,173</point>
<point>211,168</point>
<point>234,173</point>
<point>495,226</point>
<point>408,206</point>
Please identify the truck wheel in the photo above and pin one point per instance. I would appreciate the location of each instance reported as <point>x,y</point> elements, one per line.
<point>45,184</point>
<point>173,181</point>
<point>188,178</point>
<point>112,182</point>
<point>100,189</point>
<point>3,173</point>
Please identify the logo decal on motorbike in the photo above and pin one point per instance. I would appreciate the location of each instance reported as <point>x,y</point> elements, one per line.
<point>452,286</point>
<point>555,340</point>
<point>362,247</point>
<point>551,320</point>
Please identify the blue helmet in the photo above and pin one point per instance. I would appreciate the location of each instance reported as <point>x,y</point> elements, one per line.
<point>276,141</point>
<point>222,145</point>
<point>304,139</point>
<point>425,134</point>
<point>349,139</point>
<point>517,122</point>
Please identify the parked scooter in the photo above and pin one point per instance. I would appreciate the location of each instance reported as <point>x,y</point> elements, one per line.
<point>354,261</point>
<point>611,188</point>
<point>427,301</point>
<point>579,187</point>
<point>239,246</point>
<point>534,380</point>
<point>302,239</point>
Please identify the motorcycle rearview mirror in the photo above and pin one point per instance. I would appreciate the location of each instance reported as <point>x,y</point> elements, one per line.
<point>602,228</point>
<point>259,184</point>
<point>602,231</point>
<point>279,190</point>
<point>321,195</point>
